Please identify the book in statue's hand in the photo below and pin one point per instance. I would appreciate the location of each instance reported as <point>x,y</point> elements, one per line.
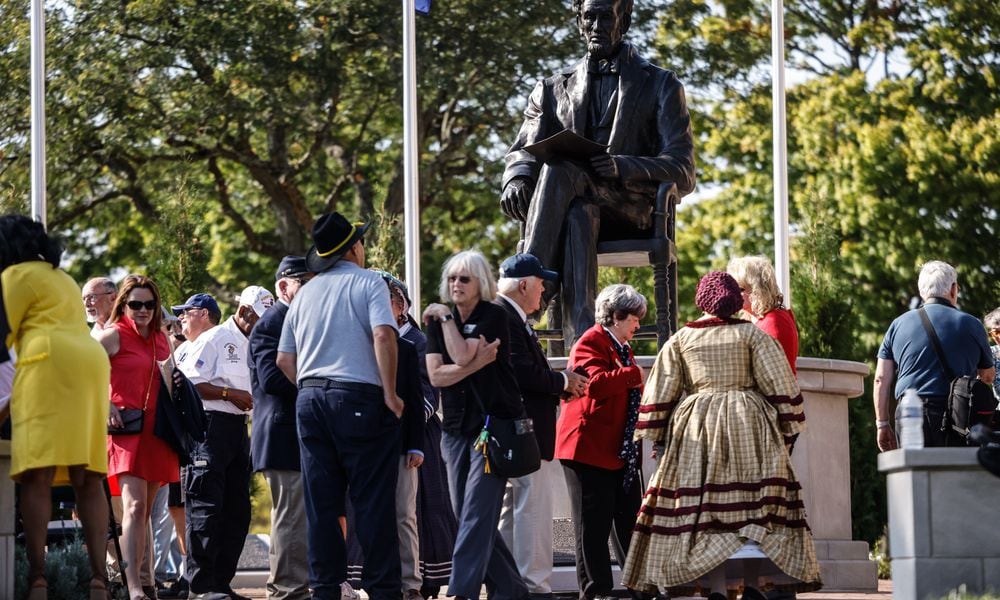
<point>566,145</point>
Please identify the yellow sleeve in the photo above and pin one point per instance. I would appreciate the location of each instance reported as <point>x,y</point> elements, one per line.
<point>777,383</point>
<point>15,301</point>
<point>663,391</point>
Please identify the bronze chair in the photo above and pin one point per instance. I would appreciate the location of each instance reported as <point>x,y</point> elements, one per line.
<point>657,250</point>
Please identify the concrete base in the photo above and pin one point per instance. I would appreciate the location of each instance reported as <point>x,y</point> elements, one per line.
<point>941,522</point>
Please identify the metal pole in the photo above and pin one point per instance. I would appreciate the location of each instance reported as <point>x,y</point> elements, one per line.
<point>38,210</point>
<point>780,150</point>
<point>411,206</point>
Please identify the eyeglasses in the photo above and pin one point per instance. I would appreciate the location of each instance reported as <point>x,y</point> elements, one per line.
<point>187,311</point>
<point>139,304</point>
<point>94,297</point>
<point>460,278</point>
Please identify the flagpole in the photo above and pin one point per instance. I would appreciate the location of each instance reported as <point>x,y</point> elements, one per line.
<point>411,208</point>
<point>780,150</point>
<point>38,208</point>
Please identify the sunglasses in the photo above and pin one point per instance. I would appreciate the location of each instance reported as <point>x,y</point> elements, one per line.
<point>139,304</point>
<point>460,278</point>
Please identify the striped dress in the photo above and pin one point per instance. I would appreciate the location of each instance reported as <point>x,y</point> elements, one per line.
<point>723,400</point>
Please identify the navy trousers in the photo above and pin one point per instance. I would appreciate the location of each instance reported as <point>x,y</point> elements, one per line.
<point>217,505</point>
<point>480,553</point>
<point>350,443</point>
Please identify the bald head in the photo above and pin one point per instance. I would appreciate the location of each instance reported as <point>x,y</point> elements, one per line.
<point>98,298</point>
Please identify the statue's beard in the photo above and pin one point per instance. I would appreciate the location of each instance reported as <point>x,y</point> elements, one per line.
<point>602,50</point>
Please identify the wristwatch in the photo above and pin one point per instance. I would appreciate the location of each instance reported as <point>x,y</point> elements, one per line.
<point>225,393</point>
<point>446,318</point>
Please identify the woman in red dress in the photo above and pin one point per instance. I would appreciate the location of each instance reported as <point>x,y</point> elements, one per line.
<point>764,303</point>
<point>138,463</point>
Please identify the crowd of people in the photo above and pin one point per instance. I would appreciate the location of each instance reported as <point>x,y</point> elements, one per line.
<point>364,424</point>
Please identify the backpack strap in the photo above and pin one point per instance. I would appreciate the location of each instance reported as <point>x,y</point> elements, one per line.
<point>935,342</point>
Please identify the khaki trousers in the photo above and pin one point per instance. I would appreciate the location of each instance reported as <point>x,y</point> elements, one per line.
<point>287,555</point>
<point>406,517</point>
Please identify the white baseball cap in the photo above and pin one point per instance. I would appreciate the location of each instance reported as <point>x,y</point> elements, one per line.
<point>257,298</point>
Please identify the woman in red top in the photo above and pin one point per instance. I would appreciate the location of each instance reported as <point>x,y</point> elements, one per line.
<point>138,464</point>
<point>594,438</point>
<point>763,301</point>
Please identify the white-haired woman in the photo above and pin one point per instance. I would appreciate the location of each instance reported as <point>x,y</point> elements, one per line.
<point>468,357</point>
<point>764,302</point>
<point>594,438</point>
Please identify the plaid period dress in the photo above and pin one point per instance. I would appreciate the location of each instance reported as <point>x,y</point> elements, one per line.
<point>725,478</point>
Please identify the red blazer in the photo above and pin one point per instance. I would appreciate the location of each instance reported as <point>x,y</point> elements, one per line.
<point>591,428</point>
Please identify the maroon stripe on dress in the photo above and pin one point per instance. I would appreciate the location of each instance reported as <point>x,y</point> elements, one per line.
<point>652,424</point>
<point>720,526</point>
<point>797,417</point>
<point>797,400</point>
<point>648,408</point>
<point>736,486</point>
<point>720,507</point>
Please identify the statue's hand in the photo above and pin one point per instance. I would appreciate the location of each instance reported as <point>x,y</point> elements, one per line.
<point>515,198</point>
<point>605,166</point>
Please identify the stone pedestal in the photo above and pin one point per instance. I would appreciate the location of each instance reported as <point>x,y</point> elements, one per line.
<point>822,462</point>
<point>942,516</point>
<point>6,523</point>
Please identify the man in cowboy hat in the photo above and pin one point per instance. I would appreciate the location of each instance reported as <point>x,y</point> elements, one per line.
<point>338,343</point>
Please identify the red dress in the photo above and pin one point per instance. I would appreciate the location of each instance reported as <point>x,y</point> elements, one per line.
<point>132,374</point>
<point>780,324</point>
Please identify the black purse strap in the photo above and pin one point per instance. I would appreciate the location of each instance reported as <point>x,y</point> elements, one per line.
<point>935,343</point>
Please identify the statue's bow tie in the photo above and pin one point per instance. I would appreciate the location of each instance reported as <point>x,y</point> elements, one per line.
<point>603,67</point>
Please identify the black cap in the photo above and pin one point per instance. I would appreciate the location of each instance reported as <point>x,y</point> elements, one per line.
<point>291,266</point>
<point>525,265</point>
<point>332,236</point>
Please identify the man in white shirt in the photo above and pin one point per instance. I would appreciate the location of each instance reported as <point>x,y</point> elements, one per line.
<point>217,503</point>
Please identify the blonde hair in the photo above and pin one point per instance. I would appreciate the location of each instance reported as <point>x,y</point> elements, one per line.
<point>475,264</point>
<point>756,275</point>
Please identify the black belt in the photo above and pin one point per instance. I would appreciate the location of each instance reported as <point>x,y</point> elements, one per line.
<point>333,384</point>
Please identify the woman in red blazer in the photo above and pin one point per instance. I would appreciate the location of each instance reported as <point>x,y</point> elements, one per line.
<point>594,438</point>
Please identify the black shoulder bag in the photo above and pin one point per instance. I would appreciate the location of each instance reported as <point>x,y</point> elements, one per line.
<point>970,401</point>
<point>508,445</point>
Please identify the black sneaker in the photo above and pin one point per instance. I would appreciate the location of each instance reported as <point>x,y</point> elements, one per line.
<point>178,589</point>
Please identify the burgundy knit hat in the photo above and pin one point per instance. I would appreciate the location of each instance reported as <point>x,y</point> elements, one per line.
<point>718,294</point>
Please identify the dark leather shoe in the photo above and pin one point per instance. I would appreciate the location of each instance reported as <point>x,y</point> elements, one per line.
<point>178,589</point>
<point>752,593</point>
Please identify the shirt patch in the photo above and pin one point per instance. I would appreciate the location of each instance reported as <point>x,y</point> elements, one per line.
<point>199,363</point>
<point>231,354</point>
<point>468,328</point>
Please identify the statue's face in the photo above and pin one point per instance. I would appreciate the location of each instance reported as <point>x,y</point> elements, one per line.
<point>601,27</point>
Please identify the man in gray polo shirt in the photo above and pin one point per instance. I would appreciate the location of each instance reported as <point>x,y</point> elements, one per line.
<point>338,343</point>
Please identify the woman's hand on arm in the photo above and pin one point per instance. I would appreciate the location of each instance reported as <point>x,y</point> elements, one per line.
<point>442,375</point>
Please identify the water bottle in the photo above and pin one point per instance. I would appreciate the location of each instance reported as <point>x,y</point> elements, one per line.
<point>910,420</point>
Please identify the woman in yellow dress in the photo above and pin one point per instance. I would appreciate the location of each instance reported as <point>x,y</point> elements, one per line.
<point>59,402</point>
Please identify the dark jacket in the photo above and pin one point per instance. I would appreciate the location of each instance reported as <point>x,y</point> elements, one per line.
<point>540,385</point>
<point>274,441</point>
<point>408,388</point>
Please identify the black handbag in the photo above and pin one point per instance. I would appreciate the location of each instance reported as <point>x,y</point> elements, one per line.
<point>509,445</point>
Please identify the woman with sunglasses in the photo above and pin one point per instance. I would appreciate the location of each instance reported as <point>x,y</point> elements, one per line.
<point>468,357</point>
<point>59,400</point>
<point>138,463</point>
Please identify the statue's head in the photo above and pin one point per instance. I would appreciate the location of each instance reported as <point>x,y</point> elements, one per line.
<point>603,24</point>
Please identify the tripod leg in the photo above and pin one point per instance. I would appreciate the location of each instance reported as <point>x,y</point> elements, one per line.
<point>113,532</point>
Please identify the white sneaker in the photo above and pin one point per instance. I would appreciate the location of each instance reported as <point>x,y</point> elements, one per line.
<point>348,593</point>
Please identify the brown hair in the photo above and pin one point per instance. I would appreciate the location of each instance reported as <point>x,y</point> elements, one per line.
<point>130,283</point>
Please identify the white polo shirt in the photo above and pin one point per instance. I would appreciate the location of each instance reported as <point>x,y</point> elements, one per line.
<point>218,357</point>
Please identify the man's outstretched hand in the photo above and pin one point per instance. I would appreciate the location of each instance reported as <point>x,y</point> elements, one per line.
<point>516,197</point>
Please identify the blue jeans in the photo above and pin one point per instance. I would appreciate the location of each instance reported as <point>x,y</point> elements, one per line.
<point>480,553</point>
<point>349,442</point>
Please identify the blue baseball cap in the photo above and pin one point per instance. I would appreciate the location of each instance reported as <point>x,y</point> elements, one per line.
<point>525,265</point>
<point>198,301</point>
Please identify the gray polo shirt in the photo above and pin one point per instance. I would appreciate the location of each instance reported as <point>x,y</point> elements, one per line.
<point>330,323</point>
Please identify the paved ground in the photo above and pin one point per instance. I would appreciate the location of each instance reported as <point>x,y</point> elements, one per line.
<point>884,593</point>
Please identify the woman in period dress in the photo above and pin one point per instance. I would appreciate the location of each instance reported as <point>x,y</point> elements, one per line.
<point>59,402</point>
<point>723,408</point>
<point>138,464</point>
